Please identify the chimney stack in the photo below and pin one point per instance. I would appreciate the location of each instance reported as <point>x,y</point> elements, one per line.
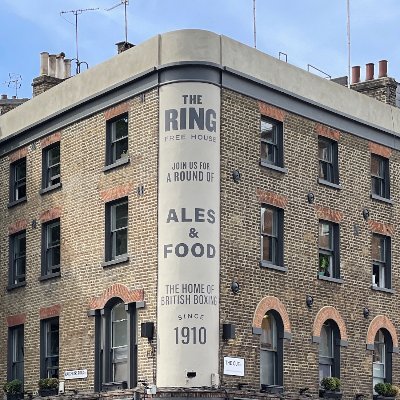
<point>382,88</point>
<point>53,70</point>
<point>7,104</point>
<point>123,46</point>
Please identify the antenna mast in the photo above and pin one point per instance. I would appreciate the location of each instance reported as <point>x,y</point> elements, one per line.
<point>76,13</point>
<point>125,3</point>
<point>14,80</point>
<point>254,24</point>
<point>348,43</point>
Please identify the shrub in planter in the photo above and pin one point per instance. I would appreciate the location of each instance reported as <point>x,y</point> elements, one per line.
<point>48,386</point>
<point>13,389</point>
<point>386,390</point>
<point>330,388</point>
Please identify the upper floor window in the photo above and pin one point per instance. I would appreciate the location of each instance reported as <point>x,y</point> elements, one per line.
<point>328,160</point>
<point>51,166</point>
<point>50,348</point>
<point>116,229</point>
<point>381,261</point>
<point>17,259</point>
<point>329,263</point>
<point>18,181</point>
<point>51,257</point>
<point>271,149</point>
<point>117,139</point>
<point>271,236</point>
<point>380,180</point>
<point>16,353</point>
<point>329,351</point>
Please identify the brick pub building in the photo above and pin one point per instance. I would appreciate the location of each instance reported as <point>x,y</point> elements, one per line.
<point>204,218</point>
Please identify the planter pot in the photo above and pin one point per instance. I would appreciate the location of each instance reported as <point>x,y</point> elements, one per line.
<point>330,394</point>
<point>272,389</point>
<point>15,396</point>
<point>48,392</point>
<point>109,386</point>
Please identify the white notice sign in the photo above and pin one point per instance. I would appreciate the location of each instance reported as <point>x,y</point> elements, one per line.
<point>233,366</point>
<point>76,374</point>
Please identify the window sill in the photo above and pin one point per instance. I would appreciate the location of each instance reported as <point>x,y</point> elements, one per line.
<point>15,286</point>
<point>118,260</point>
<point>381,289</point>
<point>330,279</point>
<point>382,199</point>
<point>265,264</point>
<point>118,163</point>
<point>50,188</point>
<point>330,184</point>
<point>16,202</point>
<point>49,276</point>
<point>273,167</point>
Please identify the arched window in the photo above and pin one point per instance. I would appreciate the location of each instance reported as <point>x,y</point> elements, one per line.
<point>116,348</point>
<point>329,351</point>
<point>382,358</point>
<point>119,343</point>
<point>271,350</point>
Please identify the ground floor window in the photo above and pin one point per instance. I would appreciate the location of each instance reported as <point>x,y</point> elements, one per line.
<point>271,350</point>
<point>116,348</point>
<point>16,353</point>
<point>382,358</point>
<point>50,348</point>
<point>329,351</point>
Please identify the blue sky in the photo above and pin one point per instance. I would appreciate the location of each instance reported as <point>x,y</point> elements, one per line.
<point>309,31</point>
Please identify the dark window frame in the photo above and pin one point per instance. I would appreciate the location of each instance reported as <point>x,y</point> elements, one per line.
<point>51,180</point>
<point>15,279</point>
<point>333,361</point>
<point>276,145</point>
<point>111,232</point>
<point>388,364</point>
<point>279,352</point>
<point>331,164</point>
<point>48,249</point>
<point>12,362</point>
<point>46,356</point>
<point>114,157</point>
<point>103,358</point>
<point>332,253</point>
<point>380,183</point>
<point>276,238</point>
<point>17,184</point>
<point>382,267</point>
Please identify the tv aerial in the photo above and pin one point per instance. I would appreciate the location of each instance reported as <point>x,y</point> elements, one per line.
<point>76,13</point>
<point>125,3</point>
<point>14,81</point>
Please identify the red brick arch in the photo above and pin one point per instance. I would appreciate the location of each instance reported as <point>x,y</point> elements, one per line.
<point>116,290</point>
<point>271,303</point>
<point>381,321</point>
<point>326,313</point>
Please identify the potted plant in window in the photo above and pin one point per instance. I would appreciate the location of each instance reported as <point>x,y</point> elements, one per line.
<point>48,387</point>
<point>330,388</point>
<point>323,265</point>
<point>386,391</point>
<point>13,390</point>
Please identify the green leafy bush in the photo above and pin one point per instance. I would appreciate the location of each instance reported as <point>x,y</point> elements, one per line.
<point>48,383</point>
<point>13,387</point>
<point>386,389</point>
<point>331,383</point>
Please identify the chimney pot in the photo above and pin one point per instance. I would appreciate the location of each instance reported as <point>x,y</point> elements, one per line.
<point>44,63</point>
<point>67,68</point>
<point>383,67</point>
<point>369,71</point>
<point>355,74</point>
<point>52,65</point>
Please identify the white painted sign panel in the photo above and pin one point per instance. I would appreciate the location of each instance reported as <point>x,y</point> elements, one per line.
<point>76,374</point>
<point>188,234</point>
<point>233,366</point>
